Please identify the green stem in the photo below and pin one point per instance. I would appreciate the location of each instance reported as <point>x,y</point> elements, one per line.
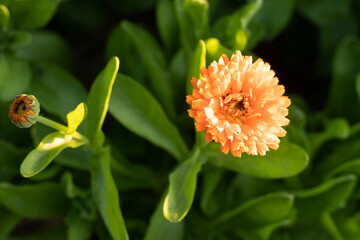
<point>61,128</point>
<point>52,124</point>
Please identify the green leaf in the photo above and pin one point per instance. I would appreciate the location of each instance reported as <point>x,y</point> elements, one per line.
<point>166,24</point>
<point>98,99</point>
<point>45,46</point>
<point>75,118</point>
<point>32,14</point>
<point>288,160</point>
<point>182,188</point>
<point>155,63</point>
<point>257,218</point>
<point>325,12</point>
<point>57,90</point>
<point>106,195</point>
<point>325,197</point>
<point>41,200</point>
<point>39,158</point>
<point>134,107</point>
<point>330,226</point>
<point>15,76</point>
<point>198,61</point>
<point>346,66</point>
<point>274,16</point>
<point>161,229</point>
<point>8,222</point>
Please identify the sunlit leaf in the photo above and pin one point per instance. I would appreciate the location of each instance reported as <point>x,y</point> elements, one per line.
<point>39,158</point>
<point>98,100</point>
<point>161,229</point>
<point>75,118</point>
<point>182,188</point>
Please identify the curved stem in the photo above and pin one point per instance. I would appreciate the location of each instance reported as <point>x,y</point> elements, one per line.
<point>61,128</point>
<point>52,124</point>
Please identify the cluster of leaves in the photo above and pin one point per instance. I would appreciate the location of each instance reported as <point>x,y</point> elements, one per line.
<point>146,158</point>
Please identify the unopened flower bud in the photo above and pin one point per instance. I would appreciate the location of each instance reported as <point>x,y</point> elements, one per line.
<point>24,111</point>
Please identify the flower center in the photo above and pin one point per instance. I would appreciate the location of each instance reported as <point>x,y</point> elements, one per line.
<point>236,106</point>
<point>20,108</point>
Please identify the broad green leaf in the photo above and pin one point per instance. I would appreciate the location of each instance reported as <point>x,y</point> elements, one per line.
<point>41,200</point>
<point>15,76</point>
<point>57,90</point>
<point>106,195</point>
<point>182,188</point>
<point>8,222</point>
<point>214,50</point>
<point>4,17</point>
<point>325,12</point>
<point>342,95</point>
<point>256,218</point>
<point>274,15</point>
<point>39,158</point>
<point>161,229</point>
<point>32,14</point>
<point>45,46</point>
<point>75,118</point>
<point>288,160</point>
<point>134,107</point>
<point>197,62</point>
<point>155,63</point>
<point>166,24</point>
<point>98,100</point>
<point>325,197</point>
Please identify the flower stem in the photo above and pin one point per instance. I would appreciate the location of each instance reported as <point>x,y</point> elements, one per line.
<point>52,124</point>
<point>61,128</point>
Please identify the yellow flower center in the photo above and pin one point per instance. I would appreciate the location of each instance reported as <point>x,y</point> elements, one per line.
<point>20,108</point>
<point>236,106</point>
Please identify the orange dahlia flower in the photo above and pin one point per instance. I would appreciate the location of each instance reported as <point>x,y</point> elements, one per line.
<point>240,104</point>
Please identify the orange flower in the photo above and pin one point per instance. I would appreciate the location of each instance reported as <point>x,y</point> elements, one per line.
<point>240,104</point>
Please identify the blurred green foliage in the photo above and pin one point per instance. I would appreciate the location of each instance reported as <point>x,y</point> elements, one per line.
<point>141,171</point>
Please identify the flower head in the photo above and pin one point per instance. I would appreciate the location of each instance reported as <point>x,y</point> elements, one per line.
<point>24,110</point>
<point>240,104</point>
